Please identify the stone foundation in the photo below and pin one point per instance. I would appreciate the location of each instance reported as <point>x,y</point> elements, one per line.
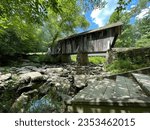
<point>136,55</point>
<point>82,58</point>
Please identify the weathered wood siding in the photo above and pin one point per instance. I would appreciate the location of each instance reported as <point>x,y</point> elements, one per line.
<point>91,42</point>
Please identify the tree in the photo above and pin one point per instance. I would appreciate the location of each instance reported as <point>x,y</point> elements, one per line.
<point>27,26</point>
<point>59,26</point>
<point>37,10</point>
<point>132,32</point>
<point>114,17</point>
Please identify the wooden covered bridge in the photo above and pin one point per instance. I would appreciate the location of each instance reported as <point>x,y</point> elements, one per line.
<point>89,42</point>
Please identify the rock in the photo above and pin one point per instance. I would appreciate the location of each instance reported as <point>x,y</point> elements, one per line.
<point>80,81</point>
<point>45,88</point>
<point>10,84</point>
<point>5,77</point>
<point>2,85</point>
<point>2,88</point>
<point>33,76</point>
<point>65,84</point>
<point>45,77</point>
<point>65,73</point>
<point>24,78</point>
<point>55,83</point>
<point>64,96</point>
<point>23,70</point>
<point>31,93</point>
<point>54,70</point>
<point>96,70</point>
<point>41,70</point>
<point>19,104</point>
<point>61,83</point>
<point>33,68</point>
<point>24,88</point>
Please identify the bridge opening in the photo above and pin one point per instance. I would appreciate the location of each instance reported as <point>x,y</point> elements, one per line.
<point>92,58</point>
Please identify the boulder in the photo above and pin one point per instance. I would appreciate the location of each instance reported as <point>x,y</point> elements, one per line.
<point>24,78</point>
<point>33,76</point>
<point>5,77</point>
<point>20,103</point>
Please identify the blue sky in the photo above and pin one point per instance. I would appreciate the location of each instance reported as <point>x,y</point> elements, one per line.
<point>98,18</point>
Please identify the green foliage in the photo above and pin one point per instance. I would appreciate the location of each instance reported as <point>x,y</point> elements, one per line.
<point>114,17</point>
<point>36,11</point>
<point>122,5</point>
<point>92,4</point>
<point>11,43</point>
<point>97,60</point>
<point>126,39</point>
<point>59,26</point>
<point>31,26</point>
<point>124,65</point>
<point>30,11</point>
<point>92,59</point>
<point>144,41</point>
<point>133,35</point>
<point>74,58</point>
<point>120,66</point>
<point>7,98</point>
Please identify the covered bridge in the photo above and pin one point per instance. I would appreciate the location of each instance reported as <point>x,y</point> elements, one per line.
<point>89,42</point>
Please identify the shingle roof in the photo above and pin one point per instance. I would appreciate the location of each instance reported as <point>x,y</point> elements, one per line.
<point>95,30</point>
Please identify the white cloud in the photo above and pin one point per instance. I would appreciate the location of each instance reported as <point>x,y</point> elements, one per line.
<point>132,6</point>
<point>143,13</point>
<point>101,17</point>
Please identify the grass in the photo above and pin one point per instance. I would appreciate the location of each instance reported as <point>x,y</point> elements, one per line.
<point>97,60</point>
<point>93,59</point>
<point>73,58</point>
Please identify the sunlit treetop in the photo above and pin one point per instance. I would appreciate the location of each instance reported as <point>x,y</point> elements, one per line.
<point>37,10</point>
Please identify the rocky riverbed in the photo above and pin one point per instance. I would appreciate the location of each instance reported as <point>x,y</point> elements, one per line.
<point>43,88</point>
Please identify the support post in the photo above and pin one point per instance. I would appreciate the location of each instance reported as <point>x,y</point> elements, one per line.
<point>82,59</point>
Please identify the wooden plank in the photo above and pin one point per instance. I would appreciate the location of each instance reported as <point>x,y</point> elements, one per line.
<point>83,94</point>
<point>144,82</point>
<point>134,89</point>
<point>121,90</point>
<point>98,89</point>
<point>110,90</point>
<point>130,102</point>
<point>89,92</point>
